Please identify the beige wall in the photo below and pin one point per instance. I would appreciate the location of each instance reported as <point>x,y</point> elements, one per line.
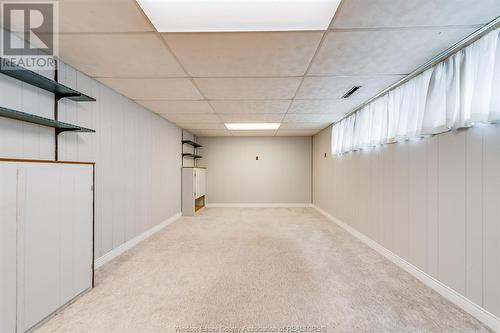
<point>281,175</point>
<point>434,202</point>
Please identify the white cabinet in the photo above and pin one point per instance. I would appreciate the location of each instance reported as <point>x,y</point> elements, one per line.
<point>46,233</point>
<point>193,190</point>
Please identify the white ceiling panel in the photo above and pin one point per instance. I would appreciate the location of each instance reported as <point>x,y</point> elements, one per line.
<point>414,13</point>
<point>244,54</point>
<point>119,55</point>
<point>200,126</point>
<point>248,88</point>
<point>311,118</point>
<point>296,132</point>
<point>382,52</point>
<point>172,88</point>
<point>254,133</point>
<point>331,106</point>
<point>251,118</point>
<point>304,126</point>
<point>177,106</point>
<point>331,87</point>
<point>102,16</point>
<point>191,118</point>
<point>208,132</point>
<point>278,106</point>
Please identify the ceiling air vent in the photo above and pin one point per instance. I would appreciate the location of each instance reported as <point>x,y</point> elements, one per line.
<point>351,91</point>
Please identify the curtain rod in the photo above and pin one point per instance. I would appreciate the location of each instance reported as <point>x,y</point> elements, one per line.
<point>434,61</point>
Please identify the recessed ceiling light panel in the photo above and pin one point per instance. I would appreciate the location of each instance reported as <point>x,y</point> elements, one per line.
<point>252,126</point>
<point>239,15</point>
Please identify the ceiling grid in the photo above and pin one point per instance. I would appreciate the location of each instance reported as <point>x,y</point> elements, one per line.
<point>201,80</point>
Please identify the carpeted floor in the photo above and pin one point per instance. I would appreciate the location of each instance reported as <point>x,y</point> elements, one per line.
<point>257,270</point>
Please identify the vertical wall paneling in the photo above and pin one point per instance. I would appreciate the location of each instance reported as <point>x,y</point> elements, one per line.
<point>387,216</point>
<point>117,164</point>
<point>474,215</point>
<point>400,185</point>
<point>375,198</point>
<point>417,203</point>
<point>491,219</point>
<point>432,216</point>
<point>438,204</point>
<point>452,209</point>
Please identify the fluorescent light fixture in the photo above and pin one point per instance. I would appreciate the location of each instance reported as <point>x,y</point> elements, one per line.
<point>252,126</point>
<point>239,15</point>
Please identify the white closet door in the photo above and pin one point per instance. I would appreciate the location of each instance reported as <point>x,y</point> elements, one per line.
<point>57,237</point>
<point>200,182</point>
<point>46,213</point>
<point>42,237</point>
<point>8,184</point>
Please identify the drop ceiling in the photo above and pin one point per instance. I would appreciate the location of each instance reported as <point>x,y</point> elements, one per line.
<point>201,80</point>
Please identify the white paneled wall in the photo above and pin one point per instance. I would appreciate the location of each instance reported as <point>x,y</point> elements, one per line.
<point>137,153</point>
<point>281,175</point>
<point>434,202</point>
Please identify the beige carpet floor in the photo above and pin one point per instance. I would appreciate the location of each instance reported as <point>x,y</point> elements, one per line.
<point>257,270</point>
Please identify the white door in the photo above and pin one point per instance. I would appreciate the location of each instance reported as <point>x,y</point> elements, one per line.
<point>45,239</point>
<point>8,230</point>
<point>200,181</point>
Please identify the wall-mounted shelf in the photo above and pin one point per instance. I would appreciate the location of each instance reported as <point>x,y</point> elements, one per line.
<point>30,118</point>
<point>191,143</point>
<point>59,90</point>
<point>191,155</point>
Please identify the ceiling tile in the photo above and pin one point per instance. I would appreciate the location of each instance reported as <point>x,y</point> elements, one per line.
<point>311,118</point>
<point>304,126</point>
<point>102,16</point>
<point>253,133</point>
<point>173,88</point>
<point>397,13</point>
<point>296,132</point>
<point>244,54</point>
<point>192,118</point>
<point>248,88</point>
<point>382,52</point>
<point>278,106</point>
<point>331,106</point>
<point>208,132</point>
<point>200,126</point>
<point>119,55</point>
<point>177,106</point>
<point>336,86</point>
<point>252,118</point>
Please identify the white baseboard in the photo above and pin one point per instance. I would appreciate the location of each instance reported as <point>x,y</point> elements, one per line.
<point>259,205</point>
<point>459,300</point>
<point>133,242</point>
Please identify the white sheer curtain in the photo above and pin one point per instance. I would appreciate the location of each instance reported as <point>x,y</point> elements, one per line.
<point>456,93</point>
